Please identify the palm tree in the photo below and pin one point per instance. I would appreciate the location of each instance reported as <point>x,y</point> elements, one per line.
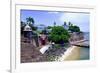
<point>54,23</point>
<point>30,20</point>
<point>70,24</point>
<point>65,24</point>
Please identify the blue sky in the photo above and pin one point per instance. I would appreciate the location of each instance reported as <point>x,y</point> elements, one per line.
<point>49,17</point>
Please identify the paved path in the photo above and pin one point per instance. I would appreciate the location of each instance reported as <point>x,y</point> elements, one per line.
<point>81,43</point>
<point>44,48</point>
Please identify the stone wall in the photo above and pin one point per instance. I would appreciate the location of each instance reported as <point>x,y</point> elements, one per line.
<point>76,36</point>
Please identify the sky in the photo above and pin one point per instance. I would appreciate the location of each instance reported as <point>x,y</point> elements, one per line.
<point>49,17</point>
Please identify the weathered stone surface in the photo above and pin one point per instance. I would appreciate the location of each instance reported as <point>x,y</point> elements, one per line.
<point>30,53</point>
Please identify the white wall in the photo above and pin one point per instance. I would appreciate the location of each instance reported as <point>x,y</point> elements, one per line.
<point>90,2</point>
<point>5,36</point>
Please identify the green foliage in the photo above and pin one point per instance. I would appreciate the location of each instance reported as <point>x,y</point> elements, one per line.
<point>44,31</point>
<point>30,20</point>
<point>33,28</point>
<point>73,28</point>
<point>49,27</point>
<point>22,26</point>
<point>58,46</point>
<point>59,34</point>
<point>70,24</point>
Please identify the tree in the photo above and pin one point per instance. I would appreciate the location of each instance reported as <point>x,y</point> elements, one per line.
<point>59,34</point>
<point>74,28</point>
<point>65,23</point>
<point>49,27</point>
<point>45,31</point>
<point>22,26</point>
<point>70,24</point>
<point>30,20</point>
<point>54,23</point>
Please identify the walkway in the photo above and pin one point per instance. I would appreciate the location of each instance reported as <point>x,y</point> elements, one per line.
<point>44,48</point>
<point>81,43</point>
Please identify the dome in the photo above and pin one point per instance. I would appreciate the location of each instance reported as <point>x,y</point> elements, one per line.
<point>27,28</point>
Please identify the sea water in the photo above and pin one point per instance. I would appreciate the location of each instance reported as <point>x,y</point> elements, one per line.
<point>85,52</point>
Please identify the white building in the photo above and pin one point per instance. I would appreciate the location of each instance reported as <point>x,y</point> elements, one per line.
<point>27,28</point>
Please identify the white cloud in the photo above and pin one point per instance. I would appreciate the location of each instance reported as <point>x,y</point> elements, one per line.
<point>53,12</point>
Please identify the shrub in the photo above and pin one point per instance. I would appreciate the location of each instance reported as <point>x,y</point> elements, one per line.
<point>59,34</point>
